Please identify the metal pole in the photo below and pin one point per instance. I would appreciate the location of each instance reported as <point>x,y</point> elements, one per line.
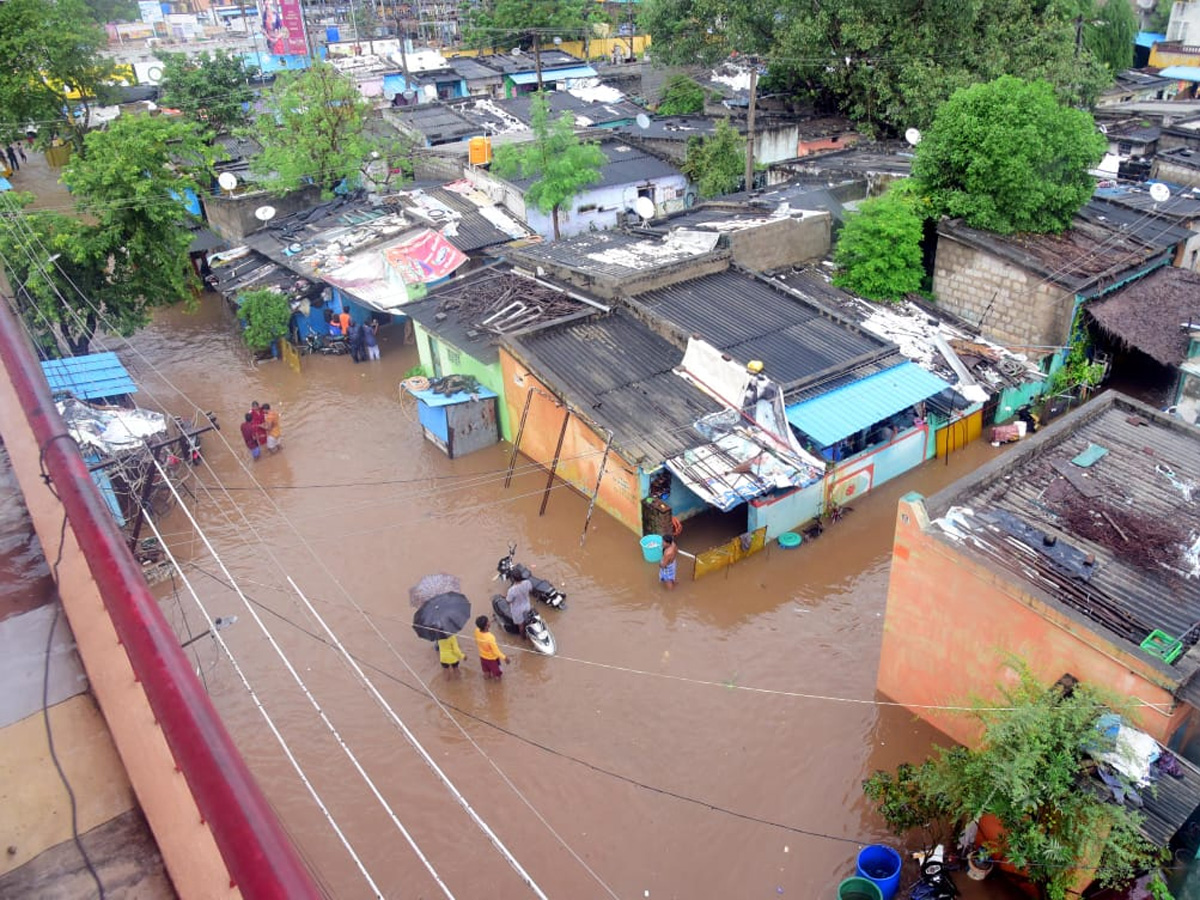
<point>151,478</point>
<point>554,462</point>
<point>750,124</point>
<point>600,477</point>
<point>512,460</point>
<point>537,58</point>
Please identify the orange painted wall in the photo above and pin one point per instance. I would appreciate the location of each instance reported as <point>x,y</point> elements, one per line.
<point>953,621</point>
<point>806,147</point>
<point>583,446</point>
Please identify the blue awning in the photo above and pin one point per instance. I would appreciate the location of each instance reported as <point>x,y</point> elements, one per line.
<point>1148,39</point>
<point>553,75</point>
<point>88,377</point>
<point>1181,73</point>
<point>849,409</point>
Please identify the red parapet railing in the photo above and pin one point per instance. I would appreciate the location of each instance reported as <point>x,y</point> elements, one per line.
<point>261,859</point>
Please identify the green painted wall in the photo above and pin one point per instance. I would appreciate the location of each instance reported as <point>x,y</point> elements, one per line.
<point>464,364</point>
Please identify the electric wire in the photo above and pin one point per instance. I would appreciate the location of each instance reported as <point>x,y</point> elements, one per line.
<point>258,704</point>
<point>494,839</point>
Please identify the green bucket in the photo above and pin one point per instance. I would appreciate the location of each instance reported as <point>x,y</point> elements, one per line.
<point>859,889</point>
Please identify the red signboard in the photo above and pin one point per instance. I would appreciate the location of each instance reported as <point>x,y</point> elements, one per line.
<point>283,26</point>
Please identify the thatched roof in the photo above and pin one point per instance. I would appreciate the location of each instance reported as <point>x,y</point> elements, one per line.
<point>1152,313</point>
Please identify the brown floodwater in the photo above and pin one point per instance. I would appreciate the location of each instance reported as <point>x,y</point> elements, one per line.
<point>704,743</point>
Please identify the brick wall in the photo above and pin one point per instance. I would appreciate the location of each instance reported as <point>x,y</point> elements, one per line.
<point>1168,171</point>
<point>953,622</point>
<point>1010,305</point>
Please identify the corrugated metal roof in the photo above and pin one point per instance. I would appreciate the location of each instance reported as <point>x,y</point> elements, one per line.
<point>1181,73</point>
<point>618,373</point>
<point>90,377</point>
<point>848,410</point>
<point>553,75</point>
<point>1123,599</point>
<point>796,338</point>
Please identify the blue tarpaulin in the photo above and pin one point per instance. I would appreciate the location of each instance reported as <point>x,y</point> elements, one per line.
<point>1148,39</point>
<point>854,407</point>
<point>554,75</point>
<point>1181,73</point>
<point>90,377</point>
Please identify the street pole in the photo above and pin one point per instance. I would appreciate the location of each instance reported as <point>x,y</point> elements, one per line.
<point>750,125</point>
<point>537,58</point>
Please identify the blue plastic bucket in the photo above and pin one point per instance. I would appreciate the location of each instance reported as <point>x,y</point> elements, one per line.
<point>880,864</point>
<point>859,889</point>
<point>652,548</point>
<point>332,34</point>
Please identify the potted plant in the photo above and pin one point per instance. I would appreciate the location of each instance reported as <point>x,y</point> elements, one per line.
<point>1027,782</point>
<point>979,863</point>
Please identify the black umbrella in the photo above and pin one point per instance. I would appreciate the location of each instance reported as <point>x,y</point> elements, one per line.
<point>432,585</point>
<point>442,616</point>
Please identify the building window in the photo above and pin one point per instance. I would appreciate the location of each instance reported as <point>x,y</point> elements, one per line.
<point>453,357</point>
<point>587,207</point>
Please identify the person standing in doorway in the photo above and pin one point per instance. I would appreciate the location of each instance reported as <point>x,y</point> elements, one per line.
<point>369,341</point>
<point>666,566</point>
<point>490,654</point>
<point>273,428</point>
<point>343,320</point>
<point>250,436</point>
<point>450,653</point>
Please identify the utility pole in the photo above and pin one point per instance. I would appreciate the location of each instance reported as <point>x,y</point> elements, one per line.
<point>750,124</point>
<point>537,58</point>
<point>401,33</point>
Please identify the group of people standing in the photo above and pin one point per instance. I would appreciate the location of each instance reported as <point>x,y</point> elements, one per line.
<point>11,152</point>
<point>490,654</point>
<point>261,428</point>
<point>361,335</point>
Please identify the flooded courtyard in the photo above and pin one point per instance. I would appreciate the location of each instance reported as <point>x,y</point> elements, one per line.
<point>706,742</point>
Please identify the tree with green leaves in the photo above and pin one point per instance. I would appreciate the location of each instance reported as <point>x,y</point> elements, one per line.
<point>528,24</point>
<point>126,250</point>
<point>266,314</point>
<point>104,11</point>
<point>1007,156</point>
<point>212,89</point>
<point>717,164</point>
<point>560,164</point>
<point>681,96</point>
<point>888,64</point>
<point>53,70</point>
<point>878,252</point>
<point>1109,33</point>
<point>313,131</point>
<point>1032,770</point>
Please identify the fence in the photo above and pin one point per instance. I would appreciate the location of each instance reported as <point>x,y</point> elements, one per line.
<point>725,555</point>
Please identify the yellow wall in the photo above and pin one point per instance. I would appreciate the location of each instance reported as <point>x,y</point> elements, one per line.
<point>598,48</point>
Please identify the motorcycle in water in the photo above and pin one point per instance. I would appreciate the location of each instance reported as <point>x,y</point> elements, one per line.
<point>535,626</point>
<point>542,589</point>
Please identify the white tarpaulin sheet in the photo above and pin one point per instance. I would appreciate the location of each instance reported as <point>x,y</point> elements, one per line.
<point>110,429</point>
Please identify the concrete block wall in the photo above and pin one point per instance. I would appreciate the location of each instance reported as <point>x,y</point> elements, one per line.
<point>1010,305</point>
<point>953,622</point>
<point>233,217</point>
<point>1168,171</point>
<point>783,242</point>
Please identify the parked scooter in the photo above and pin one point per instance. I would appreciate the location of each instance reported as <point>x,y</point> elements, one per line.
<point>542,589</point>
<point>535,627</point>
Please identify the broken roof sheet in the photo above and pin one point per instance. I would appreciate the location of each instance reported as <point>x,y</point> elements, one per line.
<point>466,216</point>
<point>798,339</point>
<point>1135,511</point>
<point>615,254</point>
<point>1093,252</point>
<point>1155,314</point>
<point>618,373</point>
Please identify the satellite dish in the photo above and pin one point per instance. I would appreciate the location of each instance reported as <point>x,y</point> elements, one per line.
<point>1103,129</point>
<point>1160,193</point>
<point>264,213</point>
<point>557,41</point>
<point>295,248</point>
<point>1146,4</point>
<point>516,51</point>
<point>643,120</point>
<point>644,208</point>
<point>913,136</point>
<point>227,180</point>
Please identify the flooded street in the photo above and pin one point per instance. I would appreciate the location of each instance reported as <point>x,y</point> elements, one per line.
<point>707,742</point>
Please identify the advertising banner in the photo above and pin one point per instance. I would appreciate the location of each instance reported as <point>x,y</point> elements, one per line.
<point>283,27</point>
<point>426,258</point>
